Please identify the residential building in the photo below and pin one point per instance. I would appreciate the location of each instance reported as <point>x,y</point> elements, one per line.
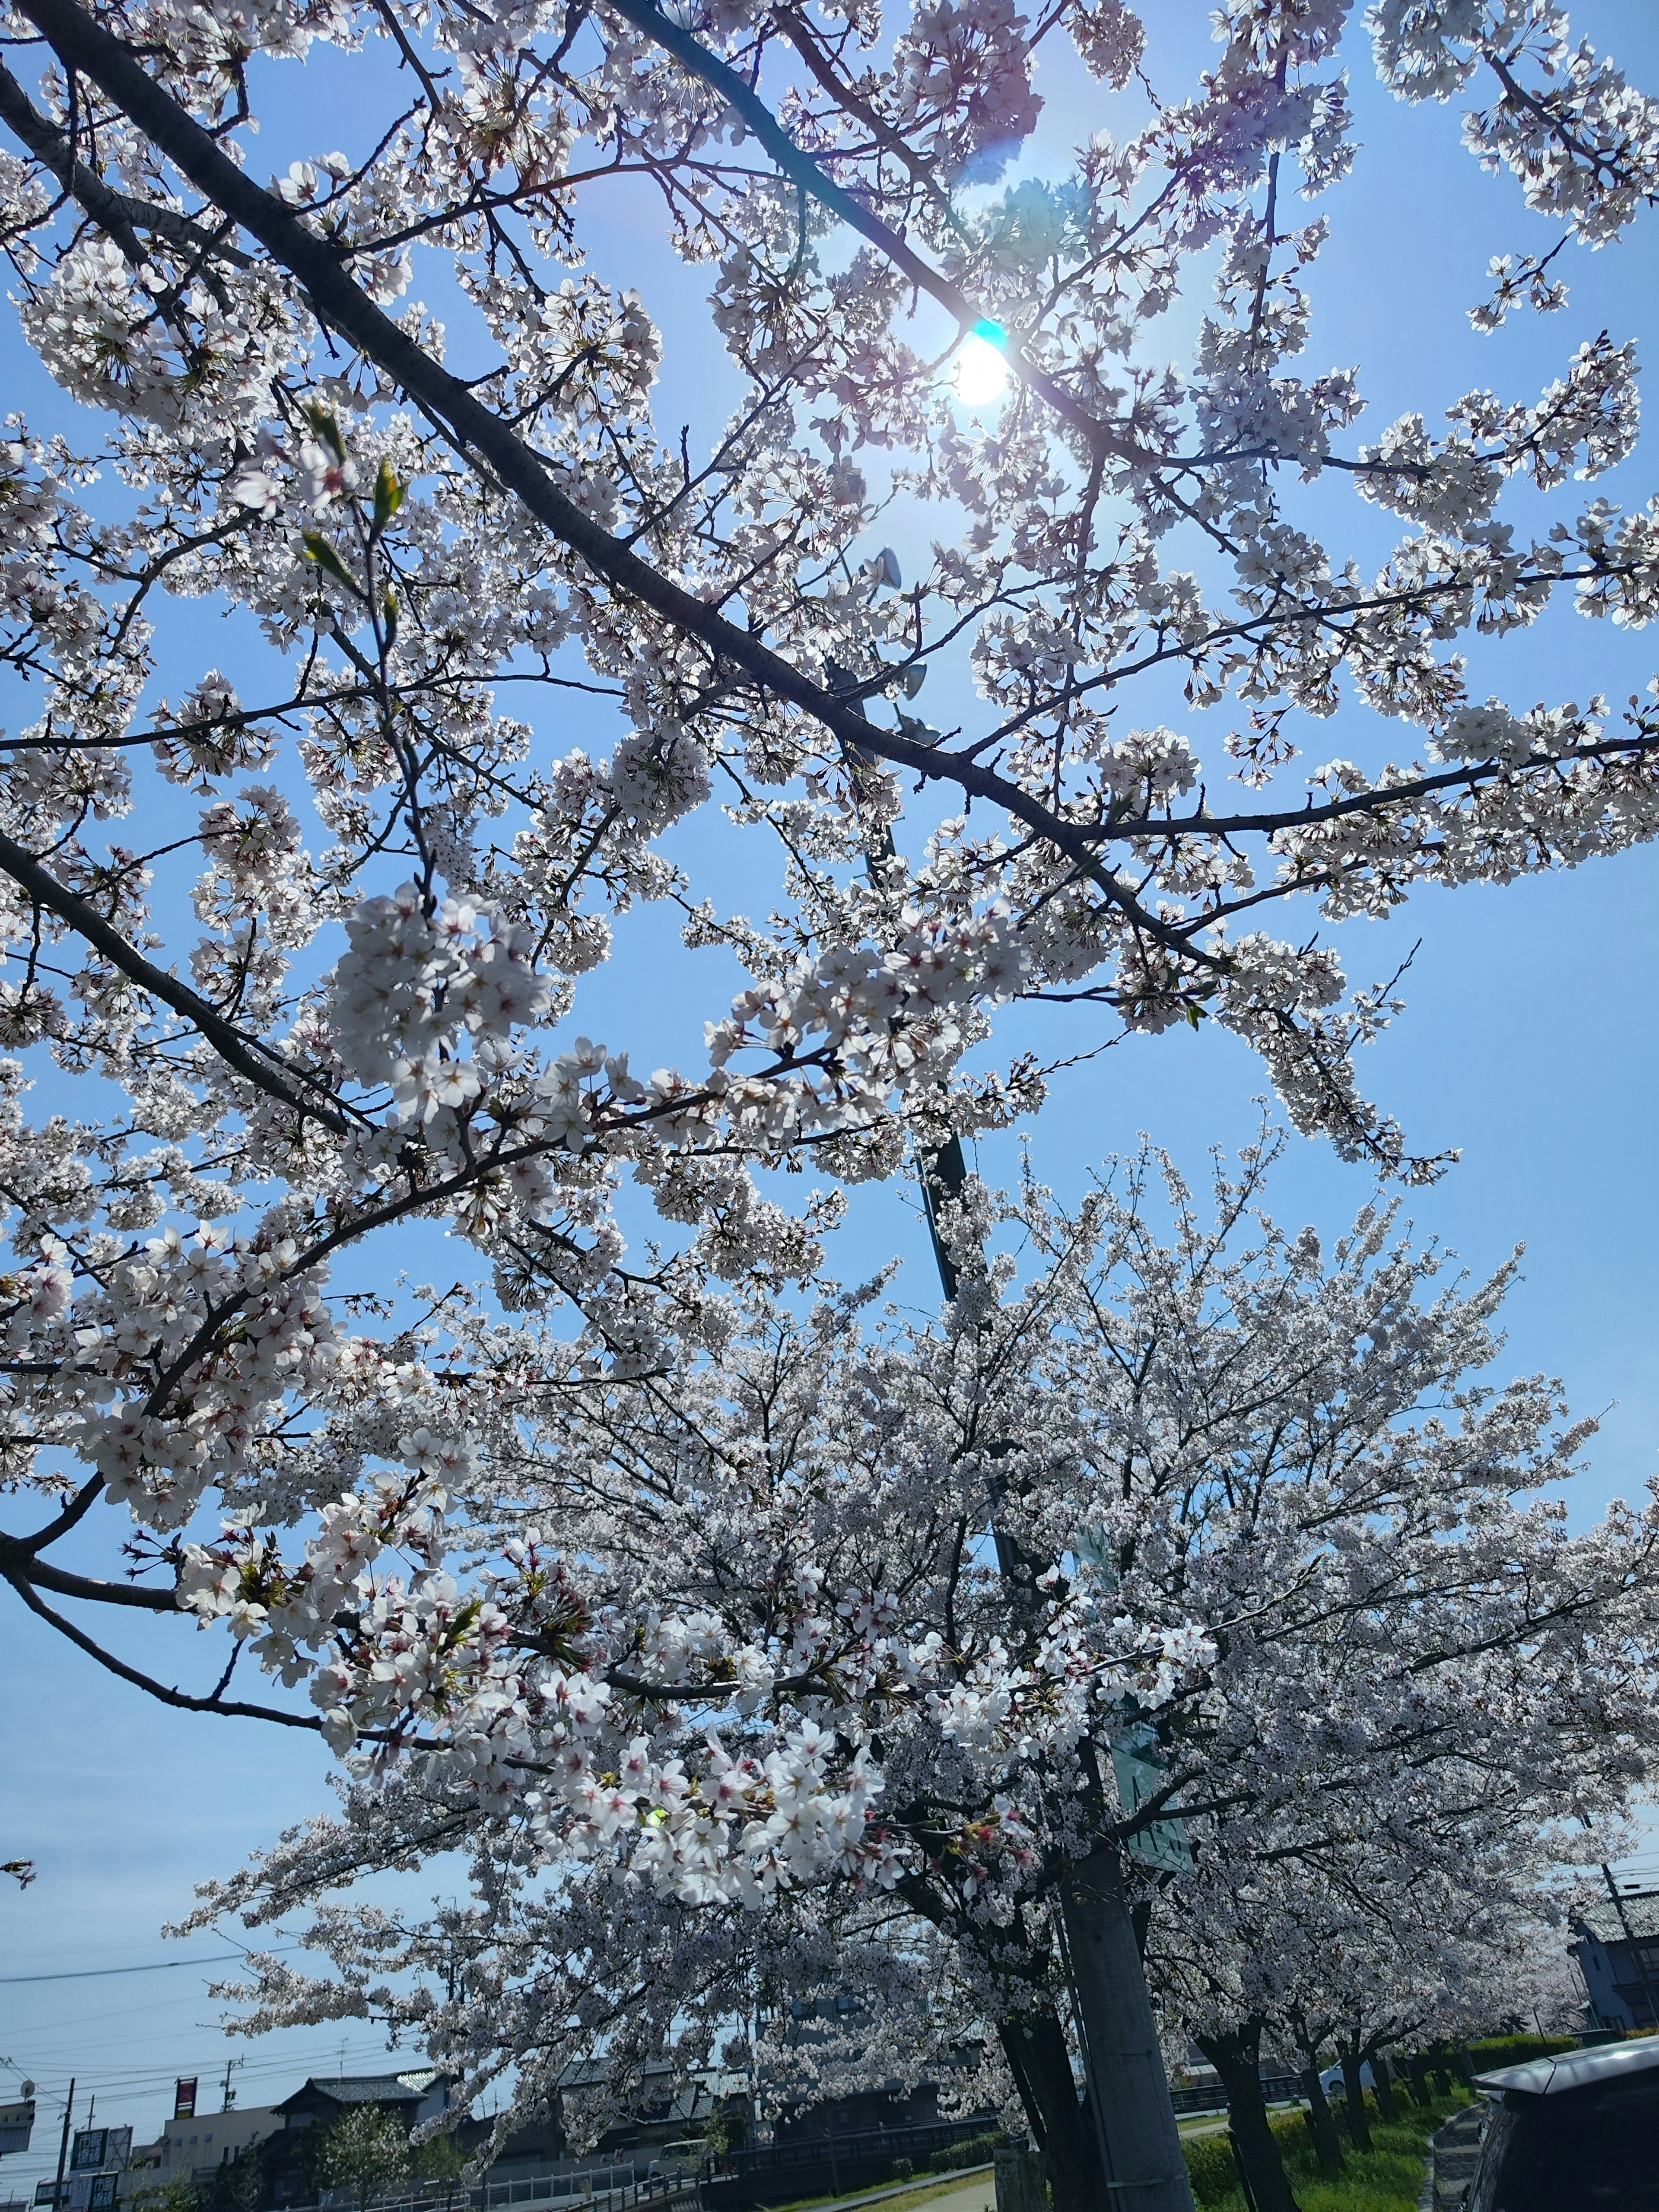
<point>1620,1969</point>
<point>416,2095</point>
<point>195,2141</point>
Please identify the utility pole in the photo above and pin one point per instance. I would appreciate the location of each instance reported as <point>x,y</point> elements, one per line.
<point>63,2149</point>
<point>1635,1947</point>
<point>229,2097</point>
<point>1123,2058</point>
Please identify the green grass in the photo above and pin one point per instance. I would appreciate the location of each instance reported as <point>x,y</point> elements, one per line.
<point>935,2185</point>
<point>1388,2177</point>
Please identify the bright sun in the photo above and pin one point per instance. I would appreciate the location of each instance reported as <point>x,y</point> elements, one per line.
<point>981,367</point>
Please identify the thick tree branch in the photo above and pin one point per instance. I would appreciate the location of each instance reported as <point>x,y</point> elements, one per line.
<point>802,170</point>
<point>19,1563</point>
<point>247,1057</point>
<point>118,215</point>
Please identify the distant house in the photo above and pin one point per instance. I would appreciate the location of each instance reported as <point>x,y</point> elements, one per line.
<point>1621,1972</point>
<point>418,2096</point>
<point>668,2115</point>
<point>415,2096</point>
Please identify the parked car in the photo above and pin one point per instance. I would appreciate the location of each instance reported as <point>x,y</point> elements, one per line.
<point>1576,2133</point>
<point>1332,2083</point>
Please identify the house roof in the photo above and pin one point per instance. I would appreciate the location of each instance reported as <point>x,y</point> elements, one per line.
<point>1574,2069</point>
<point>369,2088</point>
<point>1641,1910</point>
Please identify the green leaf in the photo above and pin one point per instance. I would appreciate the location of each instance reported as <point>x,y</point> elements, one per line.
<point>388,495</point>
<point>322,423</point>
<point>389,611</point>
<point>319,550</point>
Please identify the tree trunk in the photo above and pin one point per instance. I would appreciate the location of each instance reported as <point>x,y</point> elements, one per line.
<point>1417,2075</point>
<point>1122,2059</point>
<point>1327,2144</point>
<point>1238,2059</point>
<point>1359,2126</point>
<point>1387,2103</point>
<point>1034,2044</point>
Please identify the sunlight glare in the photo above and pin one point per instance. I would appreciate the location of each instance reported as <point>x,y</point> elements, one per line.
<point>981,370</point>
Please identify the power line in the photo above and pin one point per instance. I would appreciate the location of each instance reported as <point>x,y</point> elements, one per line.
<point>156,1966</point>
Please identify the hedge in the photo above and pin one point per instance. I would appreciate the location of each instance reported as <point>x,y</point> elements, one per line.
<point>976,2151</point>
<point>1512,2050</point>
<point>1211,2167</point>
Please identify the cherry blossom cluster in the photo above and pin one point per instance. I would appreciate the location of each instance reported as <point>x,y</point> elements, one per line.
<point>324,925</point>
<point>855,1628</point>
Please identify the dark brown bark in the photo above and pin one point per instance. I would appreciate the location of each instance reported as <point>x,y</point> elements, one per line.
<point>1417,2075</point>
<point>1062,2128</point>
<point>1359,2126</point>
<point>1236,2059</point>
<point>1387,2103</point>
<point>1327,2144</point>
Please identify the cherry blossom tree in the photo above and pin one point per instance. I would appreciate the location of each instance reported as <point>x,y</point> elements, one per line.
<point>384,1032</point>
<point>803,1642</point>
<point>441,558</point>
<point>1422,1927</point>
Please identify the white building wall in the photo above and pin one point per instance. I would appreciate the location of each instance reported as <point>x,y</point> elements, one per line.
<point>208,2139</point>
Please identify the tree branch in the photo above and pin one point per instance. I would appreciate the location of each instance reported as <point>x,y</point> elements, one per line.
<point>19,1563</point>
<point>312,1724</point>
<point>84,45</point>
<point>228,1041</point>
<point>695,58</point>
<point>118,213</point>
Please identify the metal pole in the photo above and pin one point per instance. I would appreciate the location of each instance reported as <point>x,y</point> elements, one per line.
<point>1635,1948</point>
<point>63,2149</point>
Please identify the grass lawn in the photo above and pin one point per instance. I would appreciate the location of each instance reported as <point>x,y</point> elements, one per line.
<point>1388,2177</point>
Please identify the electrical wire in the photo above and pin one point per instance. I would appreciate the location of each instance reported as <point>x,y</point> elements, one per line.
<point>155,1966</point>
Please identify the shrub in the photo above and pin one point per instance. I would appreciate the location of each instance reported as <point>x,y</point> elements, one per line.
<point>1211,2167</point>
<point>1290,2132</point>
<point>974,2152</point>
<point>902,2169</point>
<point>1515,2050</point>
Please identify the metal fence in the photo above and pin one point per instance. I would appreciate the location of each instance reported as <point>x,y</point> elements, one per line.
<point>603,2189</point>
<point>1211,2097</point>
<point>825,2165</point>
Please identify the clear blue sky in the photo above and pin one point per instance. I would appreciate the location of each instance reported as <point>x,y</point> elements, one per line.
<point>1528,1041</point>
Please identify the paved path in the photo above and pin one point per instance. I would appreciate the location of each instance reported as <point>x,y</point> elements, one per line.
<point>1456,2147</point>
<point>977,2193</point>
<point>974,2191</point>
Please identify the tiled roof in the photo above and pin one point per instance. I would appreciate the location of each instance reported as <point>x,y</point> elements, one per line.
<point>1642,1912</point>
<point>372,2088</point>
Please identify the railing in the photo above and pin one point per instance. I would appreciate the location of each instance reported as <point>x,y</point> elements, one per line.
<point>805,2165</point>
<point>604,2188</point>
<point>1211,2097</point>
